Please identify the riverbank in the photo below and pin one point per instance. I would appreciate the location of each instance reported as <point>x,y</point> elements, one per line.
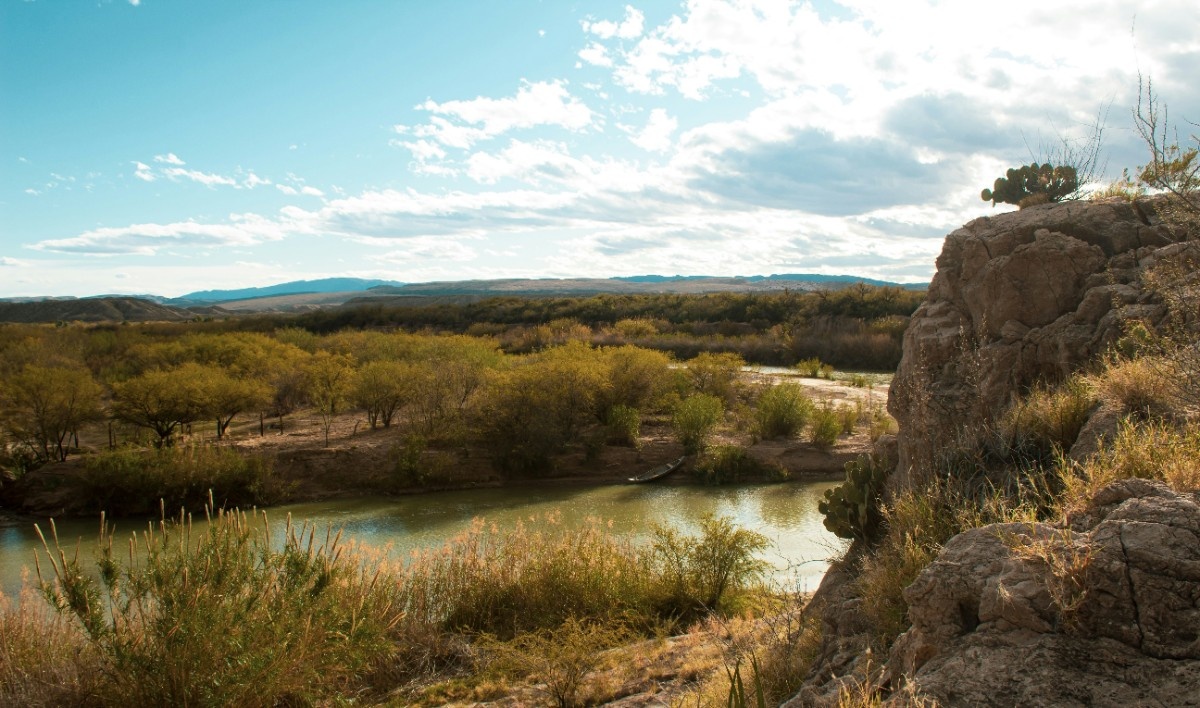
<point>358,461</point>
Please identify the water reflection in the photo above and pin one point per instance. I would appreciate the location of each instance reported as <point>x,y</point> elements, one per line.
<point>785,513</point>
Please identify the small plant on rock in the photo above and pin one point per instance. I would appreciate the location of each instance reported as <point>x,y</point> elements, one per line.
<point>854,509</point>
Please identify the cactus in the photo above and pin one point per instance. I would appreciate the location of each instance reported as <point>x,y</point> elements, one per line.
<point>1033,184</point>
<point>853,509</point>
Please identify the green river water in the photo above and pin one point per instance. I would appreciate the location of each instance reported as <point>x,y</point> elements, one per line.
<point>785,513</point>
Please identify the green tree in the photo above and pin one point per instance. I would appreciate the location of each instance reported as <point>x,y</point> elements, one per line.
<point>45,405</point>
<point>382,388</point>
<point>716,374</point>
<point>327,379</point>
<point>163,400</point>
<point>1033,184</point>
<point>228,396</point>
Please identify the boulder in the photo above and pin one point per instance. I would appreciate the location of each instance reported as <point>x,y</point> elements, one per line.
<point>1105,614</point>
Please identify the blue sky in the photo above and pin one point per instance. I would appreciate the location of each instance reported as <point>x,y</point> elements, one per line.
<point>166,146</point>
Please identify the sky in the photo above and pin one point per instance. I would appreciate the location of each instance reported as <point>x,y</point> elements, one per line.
<point>169,146</point>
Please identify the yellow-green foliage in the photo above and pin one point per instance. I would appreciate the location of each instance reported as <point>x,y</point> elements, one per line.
<point>810,367</point>
<point>1146,449</point>
<point>126,481</point>
<point>825,426</point>
<point>537,575</point>
<point>219,616</point>
<point>694,420</point>
<point>782,411</point>
<point>1049,419</point>
<point>1140,386</point>
<point>697,574</point>
<point>716,374</point>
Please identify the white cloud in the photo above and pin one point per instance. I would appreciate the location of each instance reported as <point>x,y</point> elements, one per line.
<point>148,239</point>
<point>7,262</point>
<point>311,191</point>
<point>630,27</point>
<point>170,158</point>
<point>461,124</point>
<point>207,179</point>
<point>33,192</point>
<point>424,248</point>
<point>287,189</point>
<point>596,54</point>
<point>656,136</point>
<point>144,172</point>
<point>252,180</point>
<point>135,3</point>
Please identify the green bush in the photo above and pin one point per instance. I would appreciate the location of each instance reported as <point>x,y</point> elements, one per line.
<point>696,572</point>
<point>126,481</point>
<point>624,426</point>
<point>810,367</point>
<point>694,419</point>
<point>782,411</point>
<point>825,427</point>
<point>725,464</point>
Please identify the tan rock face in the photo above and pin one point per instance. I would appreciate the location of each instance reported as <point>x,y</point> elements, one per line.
<point>1017,298</point>
<point>1020,614</point>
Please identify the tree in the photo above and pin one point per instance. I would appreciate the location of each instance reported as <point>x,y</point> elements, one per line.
<point>694,419</point>
<point>382,388</point>
<point>326,383</point>
<point>227,396</point>
<point>1174,168</point>
<point>45,405</point>
<point>163,400</point>
<point>1033,184</point>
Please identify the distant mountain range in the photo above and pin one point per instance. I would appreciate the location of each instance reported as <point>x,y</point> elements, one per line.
<point>304,295</point>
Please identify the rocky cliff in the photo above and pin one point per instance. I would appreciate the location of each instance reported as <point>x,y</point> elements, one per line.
<point>1103,609</point>
<point>1019,298</point>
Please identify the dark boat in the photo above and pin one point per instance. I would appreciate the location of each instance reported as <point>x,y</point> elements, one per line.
<point>659,472</point>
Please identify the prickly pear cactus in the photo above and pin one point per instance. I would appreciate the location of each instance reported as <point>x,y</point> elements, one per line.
<point>1033,184</point>
<point>853,509</point>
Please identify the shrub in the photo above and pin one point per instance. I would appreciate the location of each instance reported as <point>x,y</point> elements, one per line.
<point>559,660</point>
<point>696,573</point>
<point>716,374</point>
<point>125,481</point>
<point>694,419</point>
<point>824,427</point>
<point>782,411</point>
<point>227,619</point>
<point>624,426</point>
<point>726,464</point>
<point>810,367</point>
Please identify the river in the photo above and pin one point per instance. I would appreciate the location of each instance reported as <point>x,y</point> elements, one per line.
<point>785,513</point>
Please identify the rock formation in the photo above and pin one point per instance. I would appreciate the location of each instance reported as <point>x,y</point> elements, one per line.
<point>1103,610</point>
<point>1018,298</point>
<point>1034,615</point>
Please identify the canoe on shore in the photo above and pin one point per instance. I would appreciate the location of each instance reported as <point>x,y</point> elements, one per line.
<point>659,472</point>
